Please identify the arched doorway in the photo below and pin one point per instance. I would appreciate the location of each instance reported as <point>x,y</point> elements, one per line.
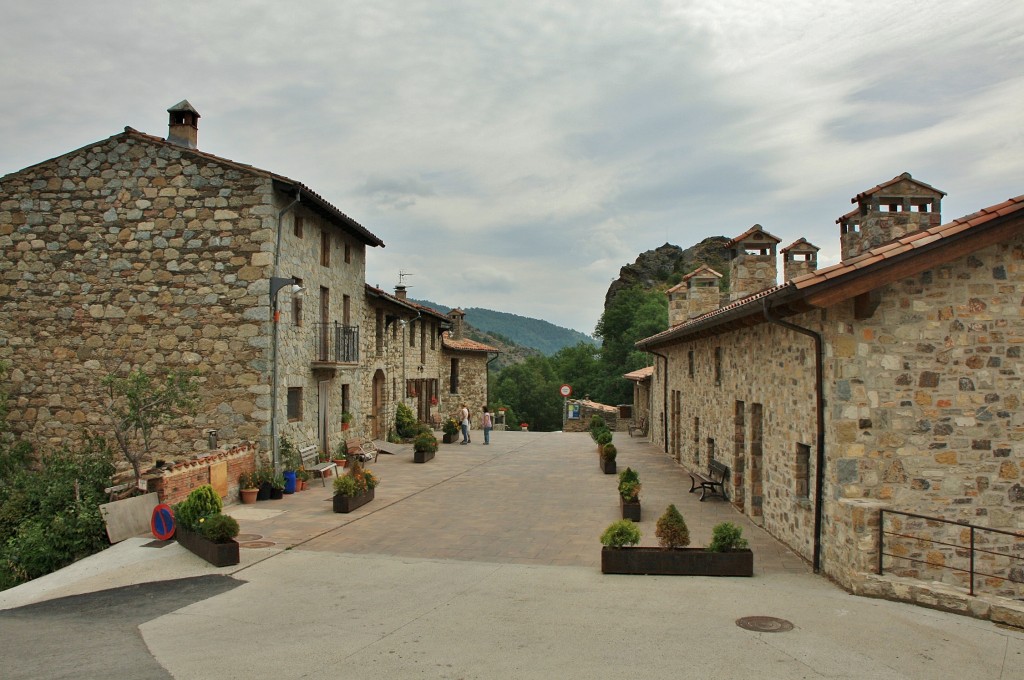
<point>379,411</point>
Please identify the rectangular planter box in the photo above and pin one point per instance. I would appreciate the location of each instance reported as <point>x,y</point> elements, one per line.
<point>422,456</point>
<point>607,465</point>
<point>630,510</point>
<point>350,503</point>
<point>449,438</point>
<point>677,562</point>
<point>217,554</point>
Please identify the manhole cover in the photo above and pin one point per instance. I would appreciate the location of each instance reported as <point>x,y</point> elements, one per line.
<point>764,624</point>
<point>257,544</point>
<point>242,538</point>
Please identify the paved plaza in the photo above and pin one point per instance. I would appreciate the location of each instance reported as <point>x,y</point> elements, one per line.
<point>482,563</point>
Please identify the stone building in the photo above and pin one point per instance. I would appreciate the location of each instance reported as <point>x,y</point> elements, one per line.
<point>404,359</point>
<point>137,251</point>
<point>890,380</point>
<point>468,363</point>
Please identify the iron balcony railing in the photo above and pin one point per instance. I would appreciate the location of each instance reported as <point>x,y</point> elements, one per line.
<point>979,555</point>
<point>336,343</point>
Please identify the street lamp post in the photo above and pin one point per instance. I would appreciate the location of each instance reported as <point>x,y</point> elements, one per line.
<point>276,284</point>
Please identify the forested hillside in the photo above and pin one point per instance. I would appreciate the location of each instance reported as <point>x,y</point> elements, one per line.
<point>541,335</point>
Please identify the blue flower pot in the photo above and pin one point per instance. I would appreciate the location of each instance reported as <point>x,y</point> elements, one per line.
<point>289,481</point>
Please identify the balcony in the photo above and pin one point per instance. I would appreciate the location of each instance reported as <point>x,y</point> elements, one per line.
<point>334,345</point>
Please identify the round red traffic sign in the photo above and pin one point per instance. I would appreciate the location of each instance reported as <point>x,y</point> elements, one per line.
<point>565,390</point>
<point>162,522</point>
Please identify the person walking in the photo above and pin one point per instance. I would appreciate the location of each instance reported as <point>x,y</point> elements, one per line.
<point>464,419</point>
<point>488,426</point>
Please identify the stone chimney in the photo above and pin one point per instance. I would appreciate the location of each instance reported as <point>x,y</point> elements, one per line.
<point>696,294</point>
<point>457,316</point>
<point>798,258</point>
<point>183,128</point>
<point>400,292</point>
<point>888,211</point>
<point>752,266</point>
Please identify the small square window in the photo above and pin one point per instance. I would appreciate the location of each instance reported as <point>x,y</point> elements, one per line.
<point>294,404</point>
<point>298,226</point>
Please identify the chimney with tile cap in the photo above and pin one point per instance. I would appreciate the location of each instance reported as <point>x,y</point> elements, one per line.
<point>752,266</point>
<point>888,211</point>
<point>798,258</point>
<point>698,293</point>
<point>183,127</point>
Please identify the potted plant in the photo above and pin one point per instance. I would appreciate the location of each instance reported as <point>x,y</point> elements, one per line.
<point>727,555</point>
<point>607,458</point>
<point>424,447</point>
<point>302,478</point>
<point>524,426</point>
<point>204,530</point>
<point>450,430</point>
<point>629,494</point>
<point>346,420</point>
<point>291,461</point>
<point>277,487</point>
<point>265,478</point>
<point>341,454</point>
<point>248,487</point>
<point>354,488</point>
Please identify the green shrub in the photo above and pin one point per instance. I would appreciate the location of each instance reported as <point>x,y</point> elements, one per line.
<point>201,503</point>
<point>672,531</point>
<point>621,533</point>
<point>450,427</point>
<point>219,528</point>
<point>405,421</point>
<point>345,485</point>
<point>425,442</point>
<point>609,452</point>
<point>603,437</point>
<point>727,536</point>
<point>596,423</point>
<point>291,459</point>
<point>629,485</point>
<point>355,482</point>
<point>49,516</point>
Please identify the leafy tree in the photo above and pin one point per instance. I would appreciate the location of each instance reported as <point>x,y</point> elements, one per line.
<point>137,404</point>
<point>530,389</point>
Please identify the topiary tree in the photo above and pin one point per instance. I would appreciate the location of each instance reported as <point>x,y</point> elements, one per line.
<point>609,452</point>
<point>405,421</point>
<point>725,537</point>
<point>621,533</point>
<point>629,485</point>
<point>203,502</point>
<point>672,531</point>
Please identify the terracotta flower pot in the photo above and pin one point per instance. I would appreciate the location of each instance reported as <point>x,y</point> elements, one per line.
<point>248,495</point>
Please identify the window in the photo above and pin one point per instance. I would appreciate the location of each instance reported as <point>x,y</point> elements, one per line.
<point>346,310</point>
<point>433,335</point>
<point>423,342</point>
<point>412,334</point>
<point>298,226</point>
<point>711,449</point>
<point>718,365</point>
<point>297,306</point>
<point>294,404</point>
<point>348,254</point>
<point>345,406</point>
<point>454,388</point>
<point>689,356</point>
<point>696,440</point>
<point>379,331</point>
<point>325,248</point>
<point>802,470</point>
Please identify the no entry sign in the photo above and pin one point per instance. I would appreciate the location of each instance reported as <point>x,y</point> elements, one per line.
<point>565,391</point>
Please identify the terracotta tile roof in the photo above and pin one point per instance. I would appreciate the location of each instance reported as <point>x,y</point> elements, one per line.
<point>895,255</point>
<point>801,243</point>
<point>852,213</point>
<point>465,344</point>
<point>703,269</point>
<point>757,228</point>
<point>640,374</point>
<point>593,405</point>
<point>898,178</point>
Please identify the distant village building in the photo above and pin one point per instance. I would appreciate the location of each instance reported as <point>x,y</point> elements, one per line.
<point>137,251</point>
<point>890,380</point>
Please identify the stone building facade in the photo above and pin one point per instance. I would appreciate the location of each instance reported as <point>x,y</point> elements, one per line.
<point>141,252</point>
<point>889,381</point>
<point>467,360</point>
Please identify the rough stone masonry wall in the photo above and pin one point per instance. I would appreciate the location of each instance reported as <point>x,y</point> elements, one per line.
<point>765,365</point>
<point>130,253</point>
<point>925,414</point>
<point>750,274</point>
<point>472,385</point>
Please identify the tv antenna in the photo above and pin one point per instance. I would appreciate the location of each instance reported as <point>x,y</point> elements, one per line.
<point>402,276</point>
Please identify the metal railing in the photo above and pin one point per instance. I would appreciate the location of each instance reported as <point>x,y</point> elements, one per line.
<point>335,342</point>
<point>979,544</point>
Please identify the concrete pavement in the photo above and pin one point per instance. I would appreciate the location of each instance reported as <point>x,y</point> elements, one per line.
<point>483,563</point>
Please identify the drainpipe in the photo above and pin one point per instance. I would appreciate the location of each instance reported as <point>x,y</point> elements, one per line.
<point>273,344</point>
<point>664,399</point>
<point>819,481</point>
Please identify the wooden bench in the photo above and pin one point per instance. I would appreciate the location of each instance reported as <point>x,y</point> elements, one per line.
<point>711,484</point>
<point>311,462</point>
<point>363,450</point>
<point>640,427</point>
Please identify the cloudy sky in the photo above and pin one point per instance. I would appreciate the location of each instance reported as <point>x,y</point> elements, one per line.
<point>514,155</point>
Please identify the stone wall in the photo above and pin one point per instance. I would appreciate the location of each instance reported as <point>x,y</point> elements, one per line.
<point>923,415</point>
<point>472,388</point>
<point>129,253</point>
<point>749,274</point>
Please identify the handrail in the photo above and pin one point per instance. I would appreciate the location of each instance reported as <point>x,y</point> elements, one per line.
<point>971,547</point>
<point>335,342</point>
